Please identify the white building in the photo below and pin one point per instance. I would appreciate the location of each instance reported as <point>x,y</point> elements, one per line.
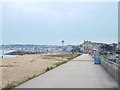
<point>89,46</point>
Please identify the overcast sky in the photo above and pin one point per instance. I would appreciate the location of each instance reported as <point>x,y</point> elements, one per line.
<point>52,22</point>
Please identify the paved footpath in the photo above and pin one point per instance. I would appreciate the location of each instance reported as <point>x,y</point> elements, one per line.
<point>78,73</point>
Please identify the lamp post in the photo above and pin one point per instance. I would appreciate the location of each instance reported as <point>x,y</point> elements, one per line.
<point>62,48</point>
<point>2,51</point>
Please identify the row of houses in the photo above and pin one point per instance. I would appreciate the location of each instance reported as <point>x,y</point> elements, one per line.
<point>41,48</point>
<point>85,47</point>
<point>89,46</point>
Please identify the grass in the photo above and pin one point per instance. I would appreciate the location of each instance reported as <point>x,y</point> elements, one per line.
<point>9,86</point>
<point>46,57</point>
<point>12,85</point>
<point>62,55</point>
<point>56,65</point>
<point>68,56</point>
<point>49,68</point>
<point>72,56</point>
<point>104,56</point>
<point>6,65</point>
<point>65,55</point>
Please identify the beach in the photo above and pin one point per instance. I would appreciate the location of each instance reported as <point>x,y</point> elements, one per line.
<point>0,73</point>
<point>20,68</point>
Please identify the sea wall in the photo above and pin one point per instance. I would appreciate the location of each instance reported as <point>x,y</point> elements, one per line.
<point>112,68</point>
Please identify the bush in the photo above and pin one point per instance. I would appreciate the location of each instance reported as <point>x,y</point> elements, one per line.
<point>48,68</point>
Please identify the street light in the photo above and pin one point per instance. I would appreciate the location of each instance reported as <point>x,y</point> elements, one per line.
<point>62,48</point>
<point>2,51</point>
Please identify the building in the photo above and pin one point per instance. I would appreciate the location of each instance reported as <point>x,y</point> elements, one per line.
<point>88,46</point>
<point>119,46</point>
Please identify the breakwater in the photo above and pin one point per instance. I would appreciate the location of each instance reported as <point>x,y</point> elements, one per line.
<point>19,52</point>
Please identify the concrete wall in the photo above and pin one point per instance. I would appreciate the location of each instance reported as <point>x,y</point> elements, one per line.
<point>112,68</point>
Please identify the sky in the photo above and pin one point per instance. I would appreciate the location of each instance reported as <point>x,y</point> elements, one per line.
<point>51,22</point>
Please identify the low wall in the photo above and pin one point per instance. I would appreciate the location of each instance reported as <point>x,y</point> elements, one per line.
<point>112,68</point>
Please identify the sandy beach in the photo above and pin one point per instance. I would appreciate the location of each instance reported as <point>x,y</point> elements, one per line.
<point>0,73</point>
<point>16,69</point>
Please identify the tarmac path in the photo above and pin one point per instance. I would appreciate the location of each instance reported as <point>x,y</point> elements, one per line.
<point>80,72</point>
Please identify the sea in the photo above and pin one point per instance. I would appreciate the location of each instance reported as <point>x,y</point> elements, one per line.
<point>3,52</point>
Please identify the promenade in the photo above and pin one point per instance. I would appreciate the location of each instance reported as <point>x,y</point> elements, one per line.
<point>78,73</point>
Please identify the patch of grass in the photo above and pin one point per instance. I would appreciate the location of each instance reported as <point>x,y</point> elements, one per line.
<point>51,56</point>
<point>49,68</point>
<point>104,56</point>
<point>9,86</point>
<point>65,55</point>
<point>63,62</point>
<point>72,56</point>
<point>46,57</point>
<point>60,55</point>
<point>56,65</point>
<point>12,85</point>
<point>6,65</point>
<point>29,78</point>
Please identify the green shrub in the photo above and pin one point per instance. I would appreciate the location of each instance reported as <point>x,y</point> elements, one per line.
<point>48,68</point>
